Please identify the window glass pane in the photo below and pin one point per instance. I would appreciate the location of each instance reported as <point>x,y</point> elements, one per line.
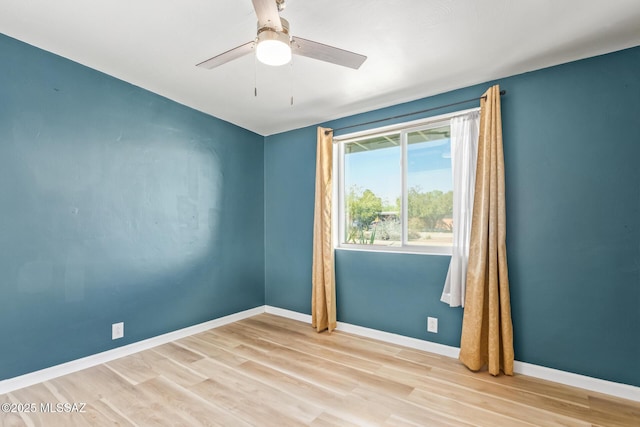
<point>429,187</point>
<point>372,189</point>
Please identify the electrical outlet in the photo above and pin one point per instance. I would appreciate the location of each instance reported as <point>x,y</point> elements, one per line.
<point>117,330</point>
<point>432,324</point>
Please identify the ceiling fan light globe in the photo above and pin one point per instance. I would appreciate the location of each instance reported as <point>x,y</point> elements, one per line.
<point>273,48</point>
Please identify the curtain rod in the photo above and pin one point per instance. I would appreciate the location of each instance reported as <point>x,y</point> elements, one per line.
<point>326,132</point>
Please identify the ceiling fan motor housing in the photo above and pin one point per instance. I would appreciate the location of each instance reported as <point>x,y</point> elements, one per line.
<point>274,47</point>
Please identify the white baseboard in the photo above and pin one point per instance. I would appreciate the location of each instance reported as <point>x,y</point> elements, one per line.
<point>575,380</point>
<point>415,343</point>
<point>11,384</point>
<point>301,317</point>
<point>567,378</point>
<point>431,347</point>
<point>624,391</point>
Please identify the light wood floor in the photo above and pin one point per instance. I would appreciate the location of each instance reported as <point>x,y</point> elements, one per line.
<point>272,371</point>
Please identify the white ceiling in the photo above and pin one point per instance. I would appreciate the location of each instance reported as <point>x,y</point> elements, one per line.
<point>415,48</point>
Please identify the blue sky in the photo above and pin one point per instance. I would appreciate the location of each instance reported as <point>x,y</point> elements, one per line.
<point>429,166</point>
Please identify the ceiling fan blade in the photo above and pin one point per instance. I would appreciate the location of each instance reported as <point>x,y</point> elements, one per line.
<point>267,13</point>
<point>227,56</point>
<point>323,52</point>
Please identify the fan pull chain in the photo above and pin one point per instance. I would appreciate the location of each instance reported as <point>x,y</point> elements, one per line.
<point>291,81</point>
<point>255,78</point>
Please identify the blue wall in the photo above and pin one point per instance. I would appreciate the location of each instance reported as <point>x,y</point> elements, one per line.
<point>572,150</point>
<point>117,205</point>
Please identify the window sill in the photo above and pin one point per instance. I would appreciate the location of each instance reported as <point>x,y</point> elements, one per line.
<point>435,250</point>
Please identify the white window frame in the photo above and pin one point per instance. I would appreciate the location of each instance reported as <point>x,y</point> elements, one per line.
<point>338,187</point>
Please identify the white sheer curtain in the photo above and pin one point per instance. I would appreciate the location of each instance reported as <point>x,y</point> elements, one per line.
<point>464,155</point>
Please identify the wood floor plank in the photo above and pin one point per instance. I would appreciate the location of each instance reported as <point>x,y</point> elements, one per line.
<point>306,330</point>
<point>199,344</point>
<point>408,409</point>
<point>347,373</point>
<point>37,396</point>
<point>495,387</point>
<point>249,336</point>
<point>236,336</point>
<point>338,407</point>
<point>398,421</point>
<point>610,412</point>
<point>245,388</point>
<point>337,339</point>
<point>308,391</point>
<point>272,371</point>
<point>88,385</point>
<point>7,417</point>
<point>143,408</point>
<point>177,372</point>
<point>356,350</point>
<point>343,353</point>
<point>488,401</point>
<point>302,344</point>
<point>538,386</point>
<point>100,414</point>
<point>299,369</point>
<point>251,409</point>
<point>223,338</point>
<point>191,407</point>
<point>329,420</point>
<point>178,353</point>
<point>462,411</point>
<point>138,367</point>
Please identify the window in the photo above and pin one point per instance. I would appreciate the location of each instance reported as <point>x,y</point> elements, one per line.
<point>395,188</point>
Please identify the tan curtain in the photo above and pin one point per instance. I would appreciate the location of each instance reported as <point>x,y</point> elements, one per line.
<point>323,300</point>
<point>487,333</point>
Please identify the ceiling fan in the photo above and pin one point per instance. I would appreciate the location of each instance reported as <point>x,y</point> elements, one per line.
<point>274,45</point>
